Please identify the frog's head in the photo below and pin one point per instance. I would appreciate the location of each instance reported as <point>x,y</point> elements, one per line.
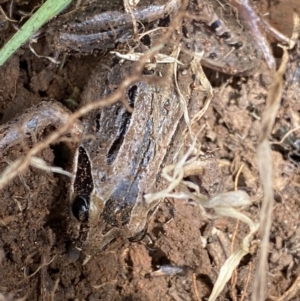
<point>100,216</point>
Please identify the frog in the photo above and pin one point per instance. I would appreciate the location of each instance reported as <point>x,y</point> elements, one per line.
<point>120,157</point>
<point>231,45</point>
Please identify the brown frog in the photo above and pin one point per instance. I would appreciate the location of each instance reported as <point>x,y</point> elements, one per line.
<point>121,154</point>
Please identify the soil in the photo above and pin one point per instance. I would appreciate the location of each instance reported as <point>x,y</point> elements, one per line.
<point>181,255</point>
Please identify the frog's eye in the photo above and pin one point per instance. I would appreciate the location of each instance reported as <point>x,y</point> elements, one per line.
<point>217,24</point>
<point>80,207</point>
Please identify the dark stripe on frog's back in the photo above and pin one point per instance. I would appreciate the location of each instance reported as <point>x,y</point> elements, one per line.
<point>105,127</point>
<point>138,165</point>
<point>117,209</point>
<point>125,195</point>
<point>124,121</point>
<point>109,126</point>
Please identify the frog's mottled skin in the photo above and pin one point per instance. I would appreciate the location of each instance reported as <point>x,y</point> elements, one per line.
<point>103,25</point>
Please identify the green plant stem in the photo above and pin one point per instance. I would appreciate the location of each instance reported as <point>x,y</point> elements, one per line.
<point>47,11</point>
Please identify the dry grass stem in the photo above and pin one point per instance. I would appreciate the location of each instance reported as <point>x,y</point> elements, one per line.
<point>195,287</point>
<point>55,287</point>
<point>10,297</point>
<point>296,27</point>
<point>41,164</point>
<point>182,99</point>
<point>37,270</point>
<point>237,177</point>
<point>265,171</point>
<point>51,59</point>
<point>291,292</point>
<point>244,292</point>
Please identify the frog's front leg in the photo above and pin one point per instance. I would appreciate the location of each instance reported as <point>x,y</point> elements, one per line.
<point>34,121</point>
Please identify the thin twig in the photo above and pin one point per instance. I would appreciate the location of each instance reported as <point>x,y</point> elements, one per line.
<point>247,282</point>
<point>195,287</point>
<point>286,135</point>
<point>37,270</point>
<point>234,274</point>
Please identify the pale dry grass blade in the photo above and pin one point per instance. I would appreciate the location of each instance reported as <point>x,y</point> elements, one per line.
<point>41,164</point>
<point>265,171</point>
<point>224,204</point>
